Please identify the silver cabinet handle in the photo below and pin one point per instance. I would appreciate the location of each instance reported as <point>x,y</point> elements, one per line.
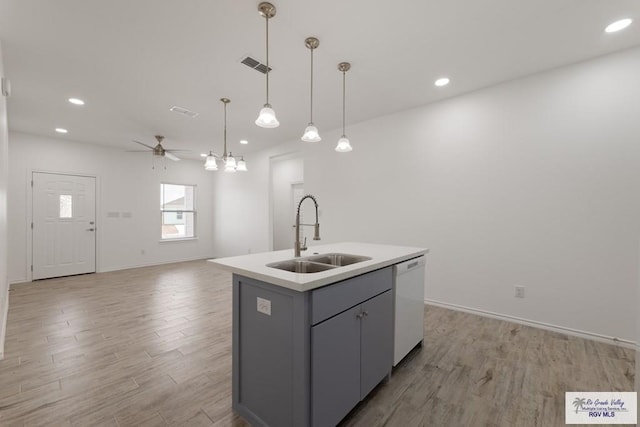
<point>365,313</point>
<point>360,315</point>
<point>91,229</point>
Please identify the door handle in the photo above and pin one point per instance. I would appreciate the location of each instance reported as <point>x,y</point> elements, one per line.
<point>91,229</point>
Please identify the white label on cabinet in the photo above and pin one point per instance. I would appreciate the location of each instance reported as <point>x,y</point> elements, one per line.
<point>264,306</point>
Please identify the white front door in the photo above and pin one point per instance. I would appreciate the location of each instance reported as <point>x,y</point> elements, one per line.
<point>64,225</point>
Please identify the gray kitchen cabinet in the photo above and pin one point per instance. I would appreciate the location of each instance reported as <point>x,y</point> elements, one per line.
<point>350,355</point>
<point>307,358</point>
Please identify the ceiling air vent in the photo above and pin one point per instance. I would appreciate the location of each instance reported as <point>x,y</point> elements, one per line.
<point>184,111</point>
<point>256,65</point>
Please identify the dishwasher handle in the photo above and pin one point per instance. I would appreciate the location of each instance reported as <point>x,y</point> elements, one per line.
<point>410,265</point>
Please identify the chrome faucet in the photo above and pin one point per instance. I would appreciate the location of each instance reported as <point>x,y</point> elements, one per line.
<point>316,235</point>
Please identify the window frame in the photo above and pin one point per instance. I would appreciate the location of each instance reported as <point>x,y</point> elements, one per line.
<point>178,211</point>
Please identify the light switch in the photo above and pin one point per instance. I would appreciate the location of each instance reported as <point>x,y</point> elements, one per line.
<point>264,306</point>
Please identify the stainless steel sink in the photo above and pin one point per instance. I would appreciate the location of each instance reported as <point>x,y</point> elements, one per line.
<point>338,259</point>
<point>317,263</point>
<point>300,266</point>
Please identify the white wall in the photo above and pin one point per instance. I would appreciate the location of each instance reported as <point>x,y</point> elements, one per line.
<point>126,183</point>
<point>242,215</point>
<point>533,182</point>
<point>4,177</point>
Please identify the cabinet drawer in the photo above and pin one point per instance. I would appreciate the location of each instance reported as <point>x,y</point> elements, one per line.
<point>333,299</point>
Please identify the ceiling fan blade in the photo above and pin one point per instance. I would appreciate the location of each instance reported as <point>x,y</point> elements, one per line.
<point>142,143</point>
<point>171,156</point>
<point>136,151</point>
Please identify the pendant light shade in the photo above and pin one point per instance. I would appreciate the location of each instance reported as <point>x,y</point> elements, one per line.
<point>210,163</point>
<point>344,145</point>
<point>311,132</point>
<point>242,165</point>
<point>230,163</point>
<point>267,117</point>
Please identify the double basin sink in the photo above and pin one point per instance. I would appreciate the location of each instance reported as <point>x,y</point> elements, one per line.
<point>318,263</point>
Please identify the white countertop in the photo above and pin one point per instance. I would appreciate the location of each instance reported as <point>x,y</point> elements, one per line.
<point>254,265</point>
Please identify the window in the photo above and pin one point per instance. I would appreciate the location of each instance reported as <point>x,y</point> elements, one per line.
<point>178,211</point>
<point>66,206</point>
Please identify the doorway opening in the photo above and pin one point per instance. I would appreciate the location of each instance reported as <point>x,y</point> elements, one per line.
<point>286,190</point>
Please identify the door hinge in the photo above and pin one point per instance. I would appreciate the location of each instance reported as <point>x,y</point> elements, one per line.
<point>6,87</point>
<point>31,183</point>
<point>32,226</point>
<point>32,268</point>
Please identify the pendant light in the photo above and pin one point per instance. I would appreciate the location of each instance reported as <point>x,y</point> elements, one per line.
<point>267,117</point>
<point>228,160</point>
<point>210,163</point>
<point>344,145</point>
<point>311,132</point>
<point>242,165</point>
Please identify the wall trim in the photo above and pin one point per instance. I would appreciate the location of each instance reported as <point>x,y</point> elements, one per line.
<point>3,324</point>
<point>536,324</point>
<point>151,264</point>
<point>129,267</point>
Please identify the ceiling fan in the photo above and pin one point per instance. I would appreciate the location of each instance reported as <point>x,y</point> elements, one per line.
<point>159,150</point>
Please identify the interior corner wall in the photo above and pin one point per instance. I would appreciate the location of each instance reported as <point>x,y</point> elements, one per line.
<point>126,184</point>
<point>4,178</point>
<point>242,214</point>
<point>637,311</point>
<point>533,182</point>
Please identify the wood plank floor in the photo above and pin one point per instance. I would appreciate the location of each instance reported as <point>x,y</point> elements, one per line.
<point>152,347</point>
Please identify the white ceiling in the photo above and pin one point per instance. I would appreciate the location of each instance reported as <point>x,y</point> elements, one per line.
<point>132,60</point>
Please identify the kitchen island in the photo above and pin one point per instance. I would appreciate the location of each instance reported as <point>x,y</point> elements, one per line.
<point>307,347</point>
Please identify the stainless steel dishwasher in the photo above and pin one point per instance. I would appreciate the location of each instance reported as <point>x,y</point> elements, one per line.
<point>409,306</point>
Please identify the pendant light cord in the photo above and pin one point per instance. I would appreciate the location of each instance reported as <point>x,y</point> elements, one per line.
<point>225,130</point>
<point>344,78</point>
<point>311,109</point>
<point>267,39</point>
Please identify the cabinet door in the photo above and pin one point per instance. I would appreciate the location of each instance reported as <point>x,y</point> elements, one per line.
<point>376,341</point>
<point>335,367</point>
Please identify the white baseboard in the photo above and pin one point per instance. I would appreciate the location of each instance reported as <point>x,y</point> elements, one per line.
<point>127,267</point>
<point>3,323</point>
<point>151,264</point>
<point>537,324</point>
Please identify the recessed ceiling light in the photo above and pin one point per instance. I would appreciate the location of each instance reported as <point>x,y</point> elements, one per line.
<point>203,154</point>
<point>442,82</point>
<point>618,25</point>
<point>244,141</point>
<point>61,130</point>
<point>76,101</point>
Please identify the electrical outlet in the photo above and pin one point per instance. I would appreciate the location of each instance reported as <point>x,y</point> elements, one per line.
<point>519,291</point>
<point>264,306</point>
